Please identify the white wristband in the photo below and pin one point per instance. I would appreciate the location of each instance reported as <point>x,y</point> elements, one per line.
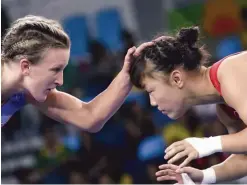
<point>209,176</point>
<point>186,179</point>
<point>206,146</point>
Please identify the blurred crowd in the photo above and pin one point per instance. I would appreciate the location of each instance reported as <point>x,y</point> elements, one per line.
<point>69,155</point>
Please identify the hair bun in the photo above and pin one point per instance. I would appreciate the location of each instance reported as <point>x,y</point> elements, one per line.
<point>188,35</point>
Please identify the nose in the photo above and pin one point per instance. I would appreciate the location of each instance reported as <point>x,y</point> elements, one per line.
<point>152,101</point>
<point>59,80</point>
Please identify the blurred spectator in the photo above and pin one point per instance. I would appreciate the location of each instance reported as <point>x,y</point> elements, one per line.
<point>244,32</point>
<point>52,155</point>
<point>105,179</point>
<point>103,62</point>
<point>128,41</point>
<point>151,170</point>
<point>5,20</point>
<point>76,177</point>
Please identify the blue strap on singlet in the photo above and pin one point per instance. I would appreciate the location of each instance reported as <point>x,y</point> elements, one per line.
<point>15,103</point>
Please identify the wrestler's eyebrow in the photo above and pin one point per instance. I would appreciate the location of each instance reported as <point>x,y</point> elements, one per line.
<point>58,66</point>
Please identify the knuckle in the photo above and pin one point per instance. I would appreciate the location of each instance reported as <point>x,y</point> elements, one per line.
<point>187,150</point>
<point>191,156</point>
<point>195,154</point>
<point>174,150</point>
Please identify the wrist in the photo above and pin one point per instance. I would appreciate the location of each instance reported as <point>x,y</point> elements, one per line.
<point>206,146</point>
<point>215,144</point>
<point>124,78</point>
<point>209,176</point>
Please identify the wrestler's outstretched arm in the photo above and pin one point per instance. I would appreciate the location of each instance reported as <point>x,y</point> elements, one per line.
<point>91,116</point>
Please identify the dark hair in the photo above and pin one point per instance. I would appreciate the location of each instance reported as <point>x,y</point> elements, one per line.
<point>168,53</point>
<point>31,35</point>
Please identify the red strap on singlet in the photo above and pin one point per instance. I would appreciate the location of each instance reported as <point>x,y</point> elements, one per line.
<point>213,77</point>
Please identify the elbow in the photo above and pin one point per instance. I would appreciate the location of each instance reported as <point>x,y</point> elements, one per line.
<point>95,121</point>
<point>88,123</point>
<point>91,127</point>
<point>94,128</point>
<point>95,125</point>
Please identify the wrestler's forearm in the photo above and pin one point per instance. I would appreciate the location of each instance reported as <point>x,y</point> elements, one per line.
<point>109,101</point>
<point>234,167</point>
<point>235,143</point>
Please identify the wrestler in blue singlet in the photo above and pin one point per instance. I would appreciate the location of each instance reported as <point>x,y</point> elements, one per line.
<point>15,103</point>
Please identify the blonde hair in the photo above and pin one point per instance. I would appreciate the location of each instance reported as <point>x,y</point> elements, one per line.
<point>30,36</point>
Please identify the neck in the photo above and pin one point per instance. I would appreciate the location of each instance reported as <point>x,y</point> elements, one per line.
<point>9,83</point>
<point>203,90</point>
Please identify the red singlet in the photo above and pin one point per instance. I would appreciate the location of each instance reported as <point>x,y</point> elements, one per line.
<point>213,76</point>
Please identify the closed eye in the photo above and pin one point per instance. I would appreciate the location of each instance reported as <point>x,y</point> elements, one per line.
<point>57,69</point>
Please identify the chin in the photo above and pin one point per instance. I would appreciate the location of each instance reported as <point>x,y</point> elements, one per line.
<point>175,115</point>
<point>172,116</point>
<point>41,99</point>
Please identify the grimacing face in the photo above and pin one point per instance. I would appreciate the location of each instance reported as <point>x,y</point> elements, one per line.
<point>47,74</point>
<point>169,98</point>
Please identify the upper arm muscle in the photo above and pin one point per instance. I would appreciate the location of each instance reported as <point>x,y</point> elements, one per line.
<point>65,108</point>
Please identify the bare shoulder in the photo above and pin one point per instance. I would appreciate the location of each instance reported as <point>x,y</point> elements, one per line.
<point>232,77</point>
<point>233,65</point>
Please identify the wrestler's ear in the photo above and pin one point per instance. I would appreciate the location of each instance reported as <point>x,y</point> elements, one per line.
<point>25,66</point>
<point>177,79</point>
